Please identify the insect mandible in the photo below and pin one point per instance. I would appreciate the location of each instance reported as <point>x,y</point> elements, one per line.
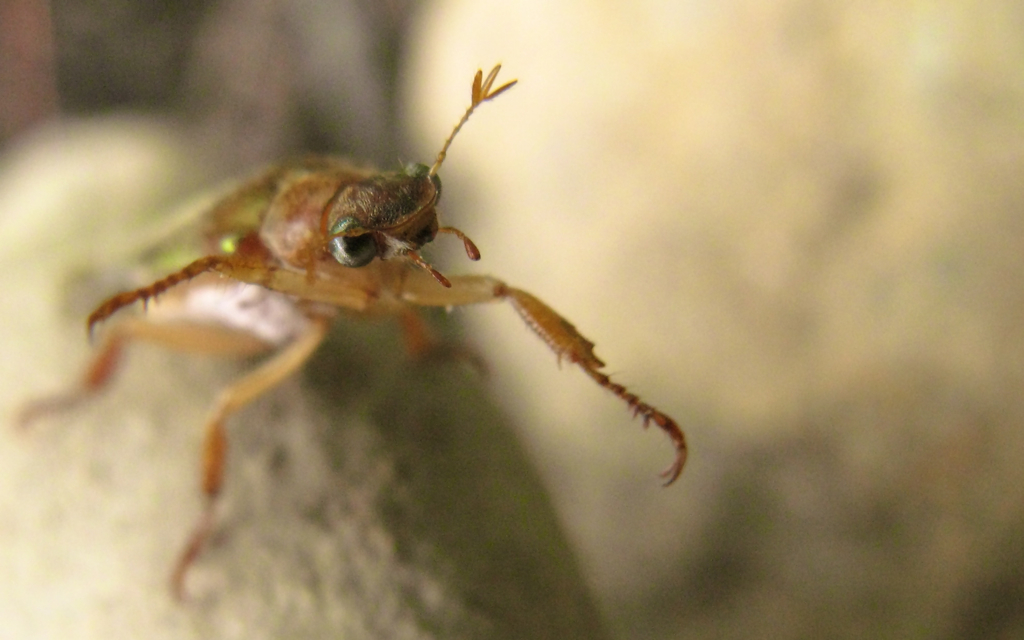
<point>315,235</point>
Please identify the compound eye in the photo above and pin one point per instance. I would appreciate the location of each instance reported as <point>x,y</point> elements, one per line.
<point>353,251</point>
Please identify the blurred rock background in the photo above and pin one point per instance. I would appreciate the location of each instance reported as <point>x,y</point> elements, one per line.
<point>795,226</point>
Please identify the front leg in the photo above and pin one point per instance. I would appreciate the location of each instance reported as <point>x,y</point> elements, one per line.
<point>351,292</point>
<point>126,298</point>
<point>557,332</point>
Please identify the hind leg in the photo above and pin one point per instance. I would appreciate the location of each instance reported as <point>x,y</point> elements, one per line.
<point>243,391</point>
<point>186,336</point>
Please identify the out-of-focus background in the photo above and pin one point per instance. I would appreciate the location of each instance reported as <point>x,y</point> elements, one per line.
<point>795,226</point>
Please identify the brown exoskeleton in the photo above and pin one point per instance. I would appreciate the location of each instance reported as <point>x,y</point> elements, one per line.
<point>314,236</point>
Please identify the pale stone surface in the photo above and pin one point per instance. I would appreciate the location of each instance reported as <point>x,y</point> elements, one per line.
<point>794,226</point>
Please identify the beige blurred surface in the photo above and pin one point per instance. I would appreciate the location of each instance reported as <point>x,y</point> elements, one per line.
<point>797,228</point>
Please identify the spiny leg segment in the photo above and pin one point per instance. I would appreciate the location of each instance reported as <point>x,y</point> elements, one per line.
<point>557,332</point>
<point>563,338</point>
<point>339,293</point>
<point>114,303</point>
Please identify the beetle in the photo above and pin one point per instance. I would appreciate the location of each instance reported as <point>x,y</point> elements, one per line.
<point>313,235</point>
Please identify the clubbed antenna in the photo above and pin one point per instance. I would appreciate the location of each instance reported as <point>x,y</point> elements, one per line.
<point>481,93</point>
